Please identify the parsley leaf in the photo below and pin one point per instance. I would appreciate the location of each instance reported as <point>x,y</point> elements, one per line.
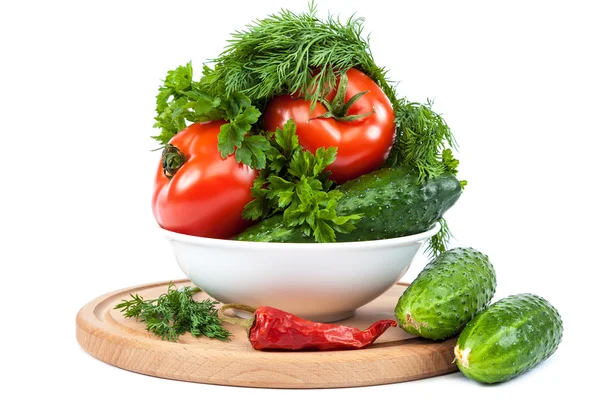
<point>232,134</point>
<point>451,164</point>
<point>252,151</point>
<point>175,102</point>
<point>449,161</point>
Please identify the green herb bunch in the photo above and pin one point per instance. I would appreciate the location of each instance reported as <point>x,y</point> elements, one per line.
<point>296,184</point>
<point>289,53</point>
<point>175,313</point>
<point>278,55</point>
<point>181,100</point>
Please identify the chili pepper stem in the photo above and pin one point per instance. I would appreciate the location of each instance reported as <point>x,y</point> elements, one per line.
<point>243,322</point>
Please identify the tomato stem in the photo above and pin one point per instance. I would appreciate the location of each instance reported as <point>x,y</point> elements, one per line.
<point>338,108</point>
<point>172,159</point>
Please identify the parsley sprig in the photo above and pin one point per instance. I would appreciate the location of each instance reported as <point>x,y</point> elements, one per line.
<point>175,313</point>
<point>181,100</point>
<point>296,183</point>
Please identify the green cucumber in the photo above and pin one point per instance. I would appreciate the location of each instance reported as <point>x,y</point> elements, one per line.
<point>512,336</point>
<point>393,203</point>
<point>447,294</point>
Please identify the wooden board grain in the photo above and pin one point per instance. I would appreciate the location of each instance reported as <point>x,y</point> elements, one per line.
<point>396,356</point>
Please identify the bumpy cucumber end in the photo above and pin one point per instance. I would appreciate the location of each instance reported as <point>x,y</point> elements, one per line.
<point>462,357</point>
<point>468,370</point>
<point>410,322</point>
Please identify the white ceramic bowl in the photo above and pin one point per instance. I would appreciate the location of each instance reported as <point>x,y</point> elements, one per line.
<point>318,281</point>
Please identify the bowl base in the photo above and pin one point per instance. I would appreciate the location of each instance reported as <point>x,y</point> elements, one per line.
<point>333,317</point>
<point>315,318</point>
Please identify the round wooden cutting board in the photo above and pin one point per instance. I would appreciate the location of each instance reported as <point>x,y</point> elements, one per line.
<point>395,357</point>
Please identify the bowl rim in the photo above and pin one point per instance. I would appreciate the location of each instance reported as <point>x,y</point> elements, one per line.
<point>239,244</point>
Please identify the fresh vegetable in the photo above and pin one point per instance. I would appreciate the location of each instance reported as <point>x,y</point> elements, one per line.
<point>273,329</point>
<point>447,294</point>
<point>392,203</point>
<point>196,191</point>
<point>356,117</point>
<point>511,337</point>
<point>298,54</point>
<point>175,313</point>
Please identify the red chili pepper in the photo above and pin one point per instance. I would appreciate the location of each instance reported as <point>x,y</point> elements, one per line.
<point>273,329</point>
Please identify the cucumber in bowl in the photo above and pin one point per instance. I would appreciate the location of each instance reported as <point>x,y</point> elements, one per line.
<point>393,203</point>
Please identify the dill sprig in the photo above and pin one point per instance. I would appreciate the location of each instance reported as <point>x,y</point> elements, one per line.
<point>289,53</point>
<point>438,243</point>
<point>421,137</point>
<point>175,313</point>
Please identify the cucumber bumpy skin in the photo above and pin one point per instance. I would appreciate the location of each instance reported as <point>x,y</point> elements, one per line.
<point>447,294</point>
<point>511,337</point>
<point>392,201</point>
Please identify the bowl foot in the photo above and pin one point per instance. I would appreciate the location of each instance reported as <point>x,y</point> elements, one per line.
<point>333,317</point>
<point>311,317</point>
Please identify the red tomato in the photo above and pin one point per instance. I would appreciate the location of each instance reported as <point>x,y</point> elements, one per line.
<point>207,195</point>
<point>363,145</point>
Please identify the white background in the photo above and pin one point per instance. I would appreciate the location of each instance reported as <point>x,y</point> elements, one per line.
<point>518,82</point>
